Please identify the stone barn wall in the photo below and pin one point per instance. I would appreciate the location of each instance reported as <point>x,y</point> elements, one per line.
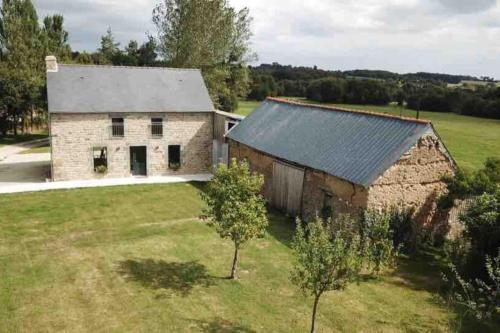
<point>346,197</point>
<point>414,181</point>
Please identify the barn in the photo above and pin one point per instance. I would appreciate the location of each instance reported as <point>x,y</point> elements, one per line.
<point>315,158</point>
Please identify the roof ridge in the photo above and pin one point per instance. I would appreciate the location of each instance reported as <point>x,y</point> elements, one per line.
<point>341,109</point>
<point>131,67</point>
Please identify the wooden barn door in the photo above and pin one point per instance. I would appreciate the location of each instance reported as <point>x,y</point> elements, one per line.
<point>288,182</point>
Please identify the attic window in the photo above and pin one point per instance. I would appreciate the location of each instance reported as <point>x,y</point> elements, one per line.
<point>156,127</point>
<point>117,127</point>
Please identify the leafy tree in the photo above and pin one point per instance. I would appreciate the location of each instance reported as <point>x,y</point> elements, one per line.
<point>377,239</point>
<point>147,53</point>
<point>222,54</point>
<point>21,60</point>
<point>482,227</point>
<point>55,38</point>
<point>84,58</point>
<point>235,207</point>
<point>109,48</point>
<point>325,260</point>
<point>480,297</point>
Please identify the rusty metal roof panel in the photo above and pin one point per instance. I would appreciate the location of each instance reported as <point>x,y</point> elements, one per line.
<point>355,146</point>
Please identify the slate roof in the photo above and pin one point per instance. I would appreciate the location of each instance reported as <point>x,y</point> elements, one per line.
<point>90,89</point>
<point>353,145</point>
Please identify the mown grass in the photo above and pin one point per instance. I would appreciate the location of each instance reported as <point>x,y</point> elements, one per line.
<point>44,148</point>
<point>137,259</point>
<point>11,139</point>
<point>470,140</point>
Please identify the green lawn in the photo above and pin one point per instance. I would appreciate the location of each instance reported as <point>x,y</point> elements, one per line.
<point>45,148</point>
<point>137,259</point>
<point>470,140</point>
<point>245,107</point>
<point>11,139</point>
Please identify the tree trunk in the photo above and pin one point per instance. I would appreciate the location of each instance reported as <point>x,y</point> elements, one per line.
<point>31,118</point>
<point>235,262</point>
<point>315,306</point>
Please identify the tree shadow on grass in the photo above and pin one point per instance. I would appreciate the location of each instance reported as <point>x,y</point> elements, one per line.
<point>219,325</point>
<point>281,227</point>
<point>179,277</point>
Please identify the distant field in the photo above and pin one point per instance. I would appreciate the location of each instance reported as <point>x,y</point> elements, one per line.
<point>245,107</point>
<point>470,140</point>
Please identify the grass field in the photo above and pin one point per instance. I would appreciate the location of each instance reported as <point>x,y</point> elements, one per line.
<point>137,259</point>
<point>470,140</point>
<point>45,148</point>
<point>10,139</point>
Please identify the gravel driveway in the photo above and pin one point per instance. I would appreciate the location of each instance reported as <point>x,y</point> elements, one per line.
<point>18,168</point>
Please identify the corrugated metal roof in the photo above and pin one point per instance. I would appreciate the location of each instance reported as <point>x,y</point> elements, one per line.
<point>355,146</point>
<point>88,89</point>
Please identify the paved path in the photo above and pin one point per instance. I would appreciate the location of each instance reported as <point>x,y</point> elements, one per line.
<point>16,148</point>
<point>33,187</point>
<point>29,173</point>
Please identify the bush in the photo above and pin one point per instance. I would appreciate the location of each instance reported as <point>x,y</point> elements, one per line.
<point>376,239</point>
<point>404,233</point>
<point>101,169</point>
<point>481,298</point>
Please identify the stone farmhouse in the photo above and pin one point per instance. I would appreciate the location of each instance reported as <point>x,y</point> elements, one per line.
<point>108,121</point>
<point>316,158</point>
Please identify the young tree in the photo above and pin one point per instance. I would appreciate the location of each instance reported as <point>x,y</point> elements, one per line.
<point>222,54</point>
<point>235,207</point>
<point>325,259</point>
<point>376,239</point>
<point>109,48</point>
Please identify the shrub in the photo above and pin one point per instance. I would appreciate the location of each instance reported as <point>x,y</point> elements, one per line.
<point>377,240</point>
<point>481,298</point>
<point>101,169</point>
<point>404,233</point>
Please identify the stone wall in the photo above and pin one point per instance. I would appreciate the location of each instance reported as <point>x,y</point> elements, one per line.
<point>259,162</point>
<point>74,136</point>
<point>414,181</point>
<point>347,197</point>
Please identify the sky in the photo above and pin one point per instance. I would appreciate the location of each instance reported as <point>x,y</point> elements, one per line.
<point>444,36</point>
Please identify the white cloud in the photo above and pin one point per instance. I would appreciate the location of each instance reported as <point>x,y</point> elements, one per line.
<point>454,36</point>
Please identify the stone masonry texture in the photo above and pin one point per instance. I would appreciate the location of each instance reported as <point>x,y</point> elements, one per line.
<point>75,135</point>
<point>414,181</point>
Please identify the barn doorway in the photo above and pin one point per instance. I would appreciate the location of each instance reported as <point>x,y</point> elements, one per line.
<point>138,161</point>
<point>288,182</point>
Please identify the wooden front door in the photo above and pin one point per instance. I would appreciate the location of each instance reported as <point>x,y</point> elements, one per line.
<point>138,166</point>
<point>288,184</point>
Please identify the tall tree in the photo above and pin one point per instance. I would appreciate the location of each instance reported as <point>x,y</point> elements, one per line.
<point>235,207</point>
<point>109,48</point>
<point>147,53</point>
<point>55,38</point>
<point>325,260</point>
<point>212,36</point>
<point>21,59</point>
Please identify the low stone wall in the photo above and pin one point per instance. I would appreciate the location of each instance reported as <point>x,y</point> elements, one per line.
<point>75,135</point>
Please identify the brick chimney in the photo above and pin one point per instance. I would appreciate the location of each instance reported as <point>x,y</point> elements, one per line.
<point>51,63</point>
